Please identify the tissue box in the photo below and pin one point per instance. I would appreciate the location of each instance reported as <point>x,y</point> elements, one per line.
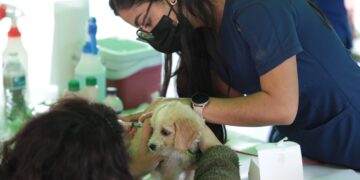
<point>134,68</point>
<point>280,161</point>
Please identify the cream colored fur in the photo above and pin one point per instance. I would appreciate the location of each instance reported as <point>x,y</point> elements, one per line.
<point>176,129</point>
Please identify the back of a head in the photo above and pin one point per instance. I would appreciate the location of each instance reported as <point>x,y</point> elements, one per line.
<point>75,139</point>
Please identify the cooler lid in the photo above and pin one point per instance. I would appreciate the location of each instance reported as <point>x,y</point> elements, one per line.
<point>124,49</point>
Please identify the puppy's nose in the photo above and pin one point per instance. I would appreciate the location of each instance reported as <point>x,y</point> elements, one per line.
<point>152,147</point>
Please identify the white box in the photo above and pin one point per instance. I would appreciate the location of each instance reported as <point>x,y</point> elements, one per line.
<point>280,161</point>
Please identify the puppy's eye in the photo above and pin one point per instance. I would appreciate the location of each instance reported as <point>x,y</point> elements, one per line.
<point>165,132</point>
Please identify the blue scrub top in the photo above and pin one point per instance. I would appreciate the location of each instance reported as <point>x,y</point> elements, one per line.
<point>336,12</point>
<point>258,35</point>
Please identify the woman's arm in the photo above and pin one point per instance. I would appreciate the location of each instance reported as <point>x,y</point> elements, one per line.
<point>142,161</point>
<point>276,103</point>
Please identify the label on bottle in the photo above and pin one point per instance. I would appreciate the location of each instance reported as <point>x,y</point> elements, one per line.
<point>14,83</point>
<point>14,76</point>
<point>18,82</point>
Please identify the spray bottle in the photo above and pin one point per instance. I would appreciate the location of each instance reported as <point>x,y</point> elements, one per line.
<point>14,43</point>
<point>90,63</point>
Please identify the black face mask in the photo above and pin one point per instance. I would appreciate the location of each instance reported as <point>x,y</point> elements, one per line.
<point>166,36</point>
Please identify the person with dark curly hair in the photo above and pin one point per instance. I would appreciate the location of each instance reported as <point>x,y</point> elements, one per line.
<point>77,139</point>
<point>74,140</point>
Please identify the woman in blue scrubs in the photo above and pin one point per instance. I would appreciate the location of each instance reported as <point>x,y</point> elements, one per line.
<point>261,62</point>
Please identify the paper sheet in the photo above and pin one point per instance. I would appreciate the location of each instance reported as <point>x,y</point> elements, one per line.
<point>71,18</point>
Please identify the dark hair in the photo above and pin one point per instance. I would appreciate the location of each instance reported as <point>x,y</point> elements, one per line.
<point>75,139</point>
<point>198,51</point>
<point>193,73</point>
<point>320,13</point>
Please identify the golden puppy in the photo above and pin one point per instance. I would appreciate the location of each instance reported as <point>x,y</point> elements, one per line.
<point>176,130</point>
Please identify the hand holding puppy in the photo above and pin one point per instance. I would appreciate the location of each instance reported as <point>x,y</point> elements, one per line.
<point>142,161</point>
<point>208,139</point>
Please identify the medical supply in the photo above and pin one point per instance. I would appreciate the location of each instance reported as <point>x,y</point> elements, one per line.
<point>14,81</point>
<point>70,19</point>
<point>91,91</point>
<point>73,89</point>
<point>112,100</point>
<point>132,67</point>
<point>90,63</point>
<point>131,124</point>
<point>280,161</point>
<point>14,43</point>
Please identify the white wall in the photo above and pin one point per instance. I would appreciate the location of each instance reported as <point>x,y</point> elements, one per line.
<point>37,31</point>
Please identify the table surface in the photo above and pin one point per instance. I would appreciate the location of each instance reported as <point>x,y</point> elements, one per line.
<point>244,143</point>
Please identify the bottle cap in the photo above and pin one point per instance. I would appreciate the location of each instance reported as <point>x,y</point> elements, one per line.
<point>14,32</point>
<point>91,81</point>
<point>74,85</point>
<point>111,91</point>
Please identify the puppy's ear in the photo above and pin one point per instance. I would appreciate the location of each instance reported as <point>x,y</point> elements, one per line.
<point>186,132</point>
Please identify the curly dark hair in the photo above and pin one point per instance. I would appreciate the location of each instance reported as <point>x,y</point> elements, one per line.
<point>75,139</point>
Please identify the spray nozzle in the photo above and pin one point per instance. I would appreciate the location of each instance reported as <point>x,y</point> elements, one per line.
<point>2,11</point>
<point>13,13</point>
<point>92,29</point>
<point>7,10</point>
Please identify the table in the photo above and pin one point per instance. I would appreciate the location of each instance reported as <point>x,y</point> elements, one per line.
<point>244,143</point>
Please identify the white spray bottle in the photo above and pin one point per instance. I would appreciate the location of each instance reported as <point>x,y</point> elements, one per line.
<point>90,63</point>
<point>14,43</point>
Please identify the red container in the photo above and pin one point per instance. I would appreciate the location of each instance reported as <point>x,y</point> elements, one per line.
<point>134,68</point>
<point>138,88</point>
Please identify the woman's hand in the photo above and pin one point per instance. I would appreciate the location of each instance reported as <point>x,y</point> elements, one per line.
<point>208,139</point>
<point>142,161</point>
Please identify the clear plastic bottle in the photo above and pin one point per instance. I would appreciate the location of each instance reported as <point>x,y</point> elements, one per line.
<point>14,80</point>
<point>90,63</point>
<point>15,45</point>
<point>112,100</point>
<point>91,91</point>
<point>73,89</point>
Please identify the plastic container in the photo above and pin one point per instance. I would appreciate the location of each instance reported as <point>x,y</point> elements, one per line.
<point>113,101</point>
<point>133,67</point>
<point>14,79</point>
<point>91,91</point>
<point>73,89</point>
<point>15,45</point>
<point>90,63</point>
